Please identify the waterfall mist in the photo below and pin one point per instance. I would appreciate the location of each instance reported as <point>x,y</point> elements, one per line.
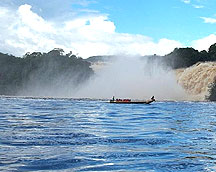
<point>133,77</point>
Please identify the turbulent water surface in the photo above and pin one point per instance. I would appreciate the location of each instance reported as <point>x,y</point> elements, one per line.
<point>93,135</point>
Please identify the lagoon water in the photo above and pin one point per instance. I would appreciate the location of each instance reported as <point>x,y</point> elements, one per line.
<point>39,134</point>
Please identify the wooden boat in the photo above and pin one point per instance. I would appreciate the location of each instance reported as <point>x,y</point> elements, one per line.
<point>129,101</point>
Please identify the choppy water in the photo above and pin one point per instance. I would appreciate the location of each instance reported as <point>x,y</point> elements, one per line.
<point>90,135</point>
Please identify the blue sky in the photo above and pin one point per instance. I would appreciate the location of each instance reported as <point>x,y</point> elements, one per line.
<point>116,26</point>
<point>172,19</point>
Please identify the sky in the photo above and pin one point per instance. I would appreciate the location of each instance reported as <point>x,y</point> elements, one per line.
<point>106,27</point>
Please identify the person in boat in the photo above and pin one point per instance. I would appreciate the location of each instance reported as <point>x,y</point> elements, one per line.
<point>151,100</point>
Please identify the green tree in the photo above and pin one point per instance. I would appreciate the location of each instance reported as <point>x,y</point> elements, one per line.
<point>41,69</point>
<point>212,52</point>
<point>184,57</point>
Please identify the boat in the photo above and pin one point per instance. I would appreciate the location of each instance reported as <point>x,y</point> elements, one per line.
<point>129,101</point>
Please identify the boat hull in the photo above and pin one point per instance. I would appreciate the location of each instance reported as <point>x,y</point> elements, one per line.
<point>128,101</point>
<point>132,102</point>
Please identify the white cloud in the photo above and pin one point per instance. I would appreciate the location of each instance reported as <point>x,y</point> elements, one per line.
<point>204,43</point>
<point>186,1</point>
<point>83,2</point>
<point>198,6</point>
<point>195,4</point>
<point>25,31</point>
<point>209,20</point>
<point>33,21</point>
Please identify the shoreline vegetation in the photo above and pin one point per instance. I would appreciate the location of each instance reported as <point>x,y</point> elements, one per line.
<point>45,71</point>
<point>55,69</point>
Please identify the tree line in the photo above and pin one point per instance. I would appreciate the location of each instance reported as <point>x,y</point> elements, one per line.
<point>41,69</point>
<point>186,57</point>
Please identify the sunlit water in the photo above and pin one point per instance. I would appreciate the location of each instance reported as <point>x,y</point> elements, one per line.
<point>93,135</point>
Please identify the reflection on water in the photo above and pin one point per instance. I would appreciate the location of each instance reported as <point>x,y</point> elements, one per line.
<point>93,135</point>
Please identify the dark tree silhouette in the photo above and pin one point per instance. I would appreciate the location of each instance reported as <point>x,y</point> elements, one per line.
<point>41,68</point>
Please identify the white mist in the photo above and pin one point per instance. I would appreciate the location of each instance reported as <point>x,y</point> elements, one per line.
<point>130,77</point>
